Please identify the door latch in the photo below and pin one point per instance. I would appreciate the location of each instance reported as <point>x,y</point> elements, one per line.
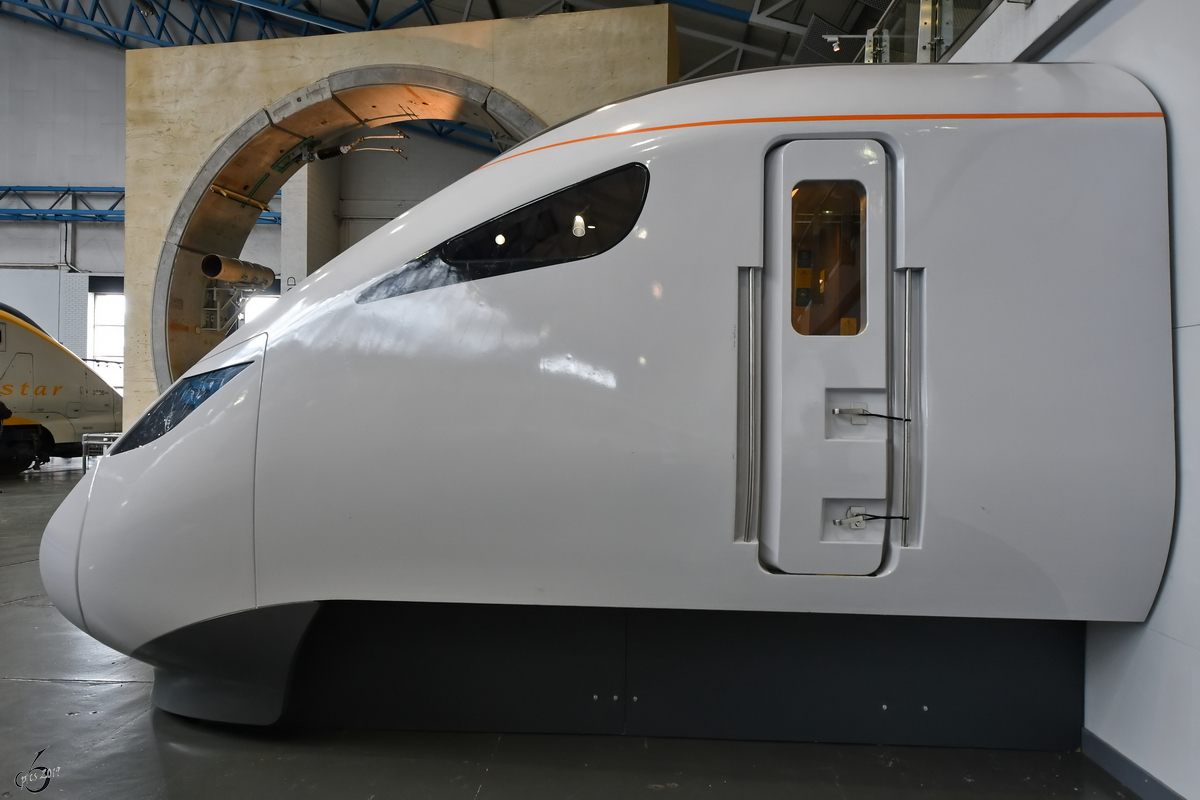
<point>856,517</point>
<point>857,412</point>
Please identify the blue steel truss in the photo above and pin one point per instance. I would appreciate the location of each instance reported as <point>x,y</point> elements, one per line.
<point>99,204</point>
<point>455,133</point>
<point>171,23</point>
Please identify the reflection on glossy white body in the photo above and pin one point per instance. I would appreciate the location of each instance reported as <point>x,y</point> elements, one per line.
<point>568,435</point>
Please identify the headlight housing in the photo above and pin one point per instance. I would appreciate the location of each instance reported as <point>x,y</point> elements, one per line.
<point>174,406</point>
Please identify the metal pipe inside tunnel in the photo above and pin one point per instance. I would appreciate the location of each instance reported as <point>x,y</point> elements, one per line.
<point>234,270</point>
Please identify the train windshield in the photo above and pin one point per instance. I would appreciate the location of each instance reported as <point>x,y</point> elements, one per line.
<point>174,406</point>
<point>578,222</point>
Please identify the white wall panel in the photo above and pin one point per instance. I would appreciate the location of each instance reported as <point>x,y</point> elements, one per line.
<point>33,292</point>
<point>100,246</point>
<point>329,206</point>
<point>62,109</point>
<point>324,190</point>
<point>31,243</point>
<point>263,246</point>
<point>378,187</point>
<point>430,166</point>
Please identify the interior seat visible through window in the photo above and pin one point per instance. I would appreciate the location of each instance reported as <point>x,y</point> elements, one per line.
<point>578,222</point>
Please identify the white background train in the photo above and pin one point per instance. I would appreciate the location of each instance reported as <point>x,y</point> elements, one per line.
<point>887,341</point>
<point>54,397</point>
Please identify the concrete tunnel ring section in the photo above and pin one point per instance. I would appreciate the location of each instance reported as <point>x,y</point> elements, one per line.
<point>256,160</point>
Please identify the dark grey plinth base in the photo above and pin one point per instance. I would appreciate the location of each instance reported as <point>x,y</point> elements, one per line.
<point>732,675</point>
<point>229,669</point>
<point>1142,783</point>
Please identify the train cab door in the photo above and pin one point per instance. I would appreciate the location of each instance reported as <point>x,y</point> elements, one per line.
<point>825,402</point>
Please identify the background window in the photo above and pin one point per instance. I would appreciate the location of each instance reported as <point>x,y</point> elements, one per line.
<point>106,338</point>
<point>827,258</point>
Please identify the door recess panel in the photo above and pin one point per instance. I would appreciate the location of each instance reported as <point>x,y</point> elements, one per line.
<point>825,401</point>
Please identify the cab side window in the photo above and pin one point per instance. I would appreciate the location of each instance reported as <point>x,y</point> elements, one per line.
<point>578,222</point>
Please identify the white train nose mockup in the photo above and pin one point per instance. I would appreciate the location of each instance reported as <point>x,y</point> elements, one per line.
<point>134,562</point>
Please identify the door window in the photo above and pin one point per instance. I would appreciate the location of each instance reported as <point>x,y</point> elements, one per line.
<point>827,258</point>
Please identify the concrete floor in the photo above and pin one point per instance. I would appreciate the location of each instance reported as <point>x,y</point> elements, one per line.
<point>88,709</point>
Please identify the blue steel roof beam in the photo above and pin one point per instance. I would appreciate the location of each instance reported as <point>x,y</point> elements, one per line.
<point>162,17</point>
<point>36,18</point>
<point>272,27</point>
<point>53,189</point>
<point>445,136</point>
<point>258,20</point>
<point>129,11</point>
<point>33,20</point>
<point>91,14</point>
<point>192,33</point>
<point>60,214</point>
<point>66,5</point>
<point>275,25</point>
<point>65,17</point>
<point>466,129</point>
<point>283,11</point>
<point>203,7</point>
<point>97,9</point>
<point>715,9</point>
<point>433,20</point>
<point>80,215</point>
<point>233,21</point>
<point>167,15</point>
<point>410,10</point>
<point>50,20</point>
<point>104,25</point>
<point>198,20</point>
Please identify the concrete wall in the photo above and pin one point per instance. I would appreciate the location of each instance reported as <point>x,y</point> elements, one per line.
<point>1143,681</point>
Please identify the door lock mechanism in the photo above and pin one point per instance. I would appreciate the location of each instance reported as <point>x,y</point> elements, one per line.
<point>856,517</point>
<point>858,413</point>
